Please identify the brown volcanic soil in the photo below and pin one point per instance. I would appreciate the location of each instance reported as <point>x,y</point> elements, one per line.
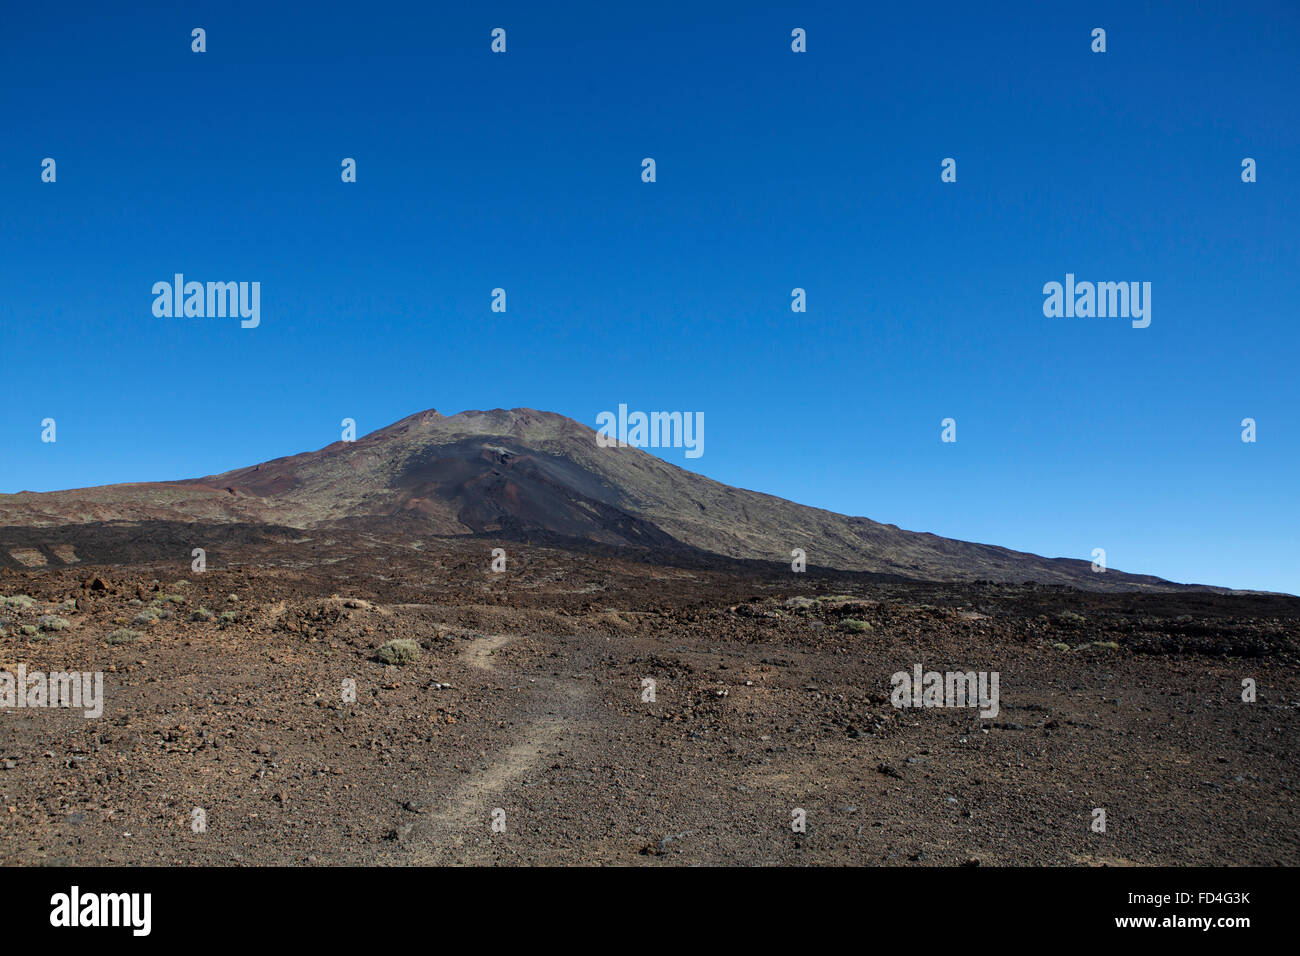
<point>527,697</point>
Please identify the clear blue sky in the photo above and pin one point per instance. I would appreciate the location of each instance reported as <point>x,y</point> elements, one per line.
<point>775,170</point>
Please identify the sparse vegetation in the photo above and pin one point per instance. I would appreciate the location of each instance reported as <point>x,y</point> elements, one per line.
<point>123,635</point>
<point>52,622</point>
<point>229,617</point>
<point>18,600</point>
<point>401,651</point>
<point>1061,646</point>
<point>202,614</point>
<point>28,630</point>
<point>855,626</point>
<point>147,616</point>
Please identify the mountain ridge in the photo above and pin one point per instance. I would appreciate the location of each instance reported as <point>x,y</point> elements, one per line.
<point>515,471</point>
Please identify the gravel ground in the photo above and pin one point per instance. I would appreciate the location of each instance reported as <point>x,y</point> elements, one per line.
<point>521,733</point>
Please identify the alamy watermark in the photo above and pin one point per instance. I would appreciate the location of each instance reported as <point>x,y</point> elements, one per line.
<point>950,689</point>
<point>653,430</point>
<point>56,689</point>
<point>1104,300</point>
<point>213,300</point>
<point>75,908</point>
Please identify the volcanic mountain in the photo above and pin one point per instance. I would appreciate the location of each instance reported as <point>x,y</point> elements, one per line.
<point>524,474</point>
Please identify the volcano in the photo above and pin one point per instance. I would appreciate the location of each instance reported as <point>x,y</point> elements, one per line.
<point>524,474</point>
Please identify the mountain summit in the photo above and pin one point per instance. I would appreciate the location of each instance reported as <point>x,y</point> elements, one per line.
<point>523,473</point>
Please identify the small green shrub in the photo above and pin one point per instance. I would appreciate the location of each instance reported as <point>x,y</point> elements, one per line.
<point>1061,646</point>
<point>18,600</point>
<point>28,630</point>
<point>147,616</point>
<point>401,651</point>
<point>854,626</point>
<point>202,614</point>
<point>229,617</point>
<point>52,622</point>
<point>122,635</point>
<point>1104,645</point>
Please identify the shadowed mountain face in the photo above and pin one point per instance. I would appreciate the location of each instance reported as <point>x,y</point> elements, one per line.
<point>522,472</point>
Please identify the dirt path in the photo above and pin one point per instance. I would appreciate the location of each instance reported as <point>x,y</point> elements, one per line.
<point>457,827</point>
<point>480,651</point>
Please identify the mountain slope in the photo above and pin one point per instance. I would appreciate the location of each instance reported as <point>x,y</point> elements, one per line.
<point>516,472</point>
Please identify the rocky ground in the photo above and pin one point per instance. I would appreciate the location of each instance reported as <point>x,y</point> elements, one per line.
<point>225,692</point>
